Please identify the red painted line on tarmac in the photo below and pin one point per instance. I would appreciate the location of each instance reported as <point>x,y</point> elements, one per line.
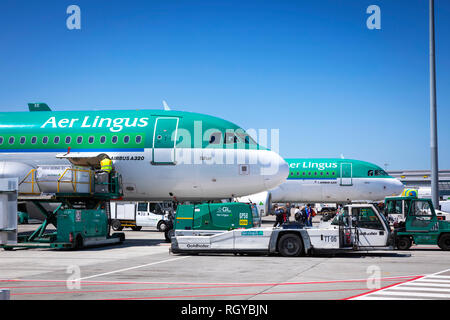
<point>196,287</point>
<point>238,294</point>
<point>206,283</point>
<point>123,290</point>
<point>179,288</point>
<point>392,285</point>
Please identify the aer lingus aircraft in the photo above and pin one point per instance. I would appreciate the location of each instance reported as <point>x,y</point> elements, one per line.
<point>161,154</point>
<point>325,180</point>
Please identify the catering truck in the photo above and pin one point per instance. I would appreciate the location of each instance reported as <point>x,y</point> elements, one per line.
<point>356,227</point>
<point>139,214</point>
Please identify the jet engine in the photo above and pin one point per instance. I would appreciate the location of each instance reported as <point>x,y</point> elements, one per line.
<point>263,201</point>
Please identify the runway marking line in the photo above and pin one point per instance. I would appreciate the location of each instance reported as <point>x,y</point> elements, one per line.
<point>131,268</point>
<point>236,294</point>
<point>198,286</point>
<point>203,283</point>
<point>420,279</point>
<point>383,288</point>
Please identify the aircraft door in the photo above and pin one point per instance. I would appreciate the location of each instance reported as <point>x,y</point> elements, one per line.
<point>370,230</point>
<point>346,174</point>
<point>164,140</point>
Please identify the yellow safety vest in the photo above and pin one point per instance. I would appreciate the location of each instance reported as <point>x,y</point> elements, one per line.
<point>106,165</point>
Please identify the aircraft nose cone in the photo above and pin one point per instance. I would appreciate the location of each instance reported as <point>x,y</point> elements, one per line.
<point>277,171</point>
<point>396,187</point>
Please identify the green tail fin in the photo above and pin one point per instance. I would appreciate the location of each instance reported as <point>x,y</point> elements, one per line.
<point>38,107</point>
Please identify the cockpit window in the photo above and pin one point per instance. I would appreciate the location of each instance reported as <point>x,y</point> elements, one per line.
<point>215,138</point>
<point>370,173</point>
<point>380,173</point>
<point>246,138</point>
<point>231,138</point>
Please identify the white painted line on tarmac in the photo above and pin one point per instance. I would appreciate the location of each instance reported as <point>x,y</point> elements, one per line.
<point>444,271</point>
<point>385,298</point>
<point>411,294</point>
<point>425,284</point>
<point>131,268</point>
<point>438,277</point>
<point>426,280</point>
<point>406,288</point>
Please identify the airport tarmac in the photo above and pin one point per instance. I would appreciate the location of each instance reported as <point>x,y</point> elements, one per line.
<point>143,268</point>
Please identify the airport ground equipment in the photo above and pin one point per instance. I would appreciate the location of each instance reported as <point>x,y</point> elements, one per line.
<point>81,217</point>
<point>356,227</point>
<point>214,216</point>
<point>8,211</point>
<point>139,214</point>
<point>417,222</point>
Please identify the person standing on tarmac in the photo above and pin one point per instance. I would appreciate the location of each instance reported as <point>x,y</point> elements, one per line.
<point>278,216</point>
<point>309,212</point>
<point>297,214</point>
<point>288,212</point>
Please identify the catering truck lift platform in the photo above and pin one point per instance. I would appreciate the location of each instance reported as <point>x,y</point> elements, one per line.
<point>81,194</point>
<point>356,227</point>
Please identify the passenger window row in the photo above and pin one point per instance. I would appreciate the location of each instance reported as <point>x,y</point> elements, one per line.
<point>68,139</point>
<point>315,173</point>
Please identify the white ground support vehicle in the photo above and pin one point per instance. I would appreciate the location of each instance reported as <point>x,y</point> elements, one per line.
<point>356,227</point>
<point>139,214</point>
<point>325,207</point>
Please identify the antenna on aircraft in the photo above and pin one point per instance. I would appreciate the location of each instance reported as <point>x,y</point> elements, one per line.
<point>166,106</point>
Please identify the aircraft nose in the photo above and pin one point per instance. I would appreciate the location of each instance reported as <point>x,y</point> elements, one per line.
<point>276,172</point>
<point>396,187</point>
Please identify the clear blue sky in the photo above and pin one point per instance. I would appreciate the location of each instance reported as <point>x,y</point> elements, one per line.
<point>309,68</point>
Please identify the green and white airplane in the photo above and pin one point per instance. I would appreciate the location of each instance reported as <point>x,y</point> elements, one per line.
<point>161,154</point>
<point>330,180</point>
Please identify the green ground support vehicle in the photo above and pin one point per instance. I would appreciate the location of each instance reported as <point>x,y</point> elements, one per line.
<point>215,216</point>
<point>418,223</point>
<point>80,219</point>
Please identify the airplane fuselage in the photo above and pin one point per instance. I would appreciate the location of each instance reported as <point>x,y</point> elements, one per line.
<point>335,180</point>
<point>161,155</point>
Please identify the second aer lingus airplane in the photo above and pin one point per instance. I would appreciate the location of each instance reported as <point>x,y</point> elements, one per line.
<point>161,154</point>
<point>330,180</point>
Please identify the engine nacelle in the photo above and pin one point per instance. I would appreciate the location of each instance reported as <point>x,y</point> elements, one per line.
<point>263,201</point>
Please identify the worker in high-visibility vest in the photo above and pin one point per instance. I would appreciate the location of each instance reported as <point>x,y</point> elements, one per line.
<point>106,165</point>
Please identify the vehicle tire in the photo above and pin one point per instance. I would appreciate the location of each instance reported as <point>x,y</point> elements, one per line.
<point>444,242</point>
<point>136,228</point>
<point>162,226</point>
<point>404,243</point>
<point>116,225</point>
<point>168,234</point>
<point>290,245</point>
